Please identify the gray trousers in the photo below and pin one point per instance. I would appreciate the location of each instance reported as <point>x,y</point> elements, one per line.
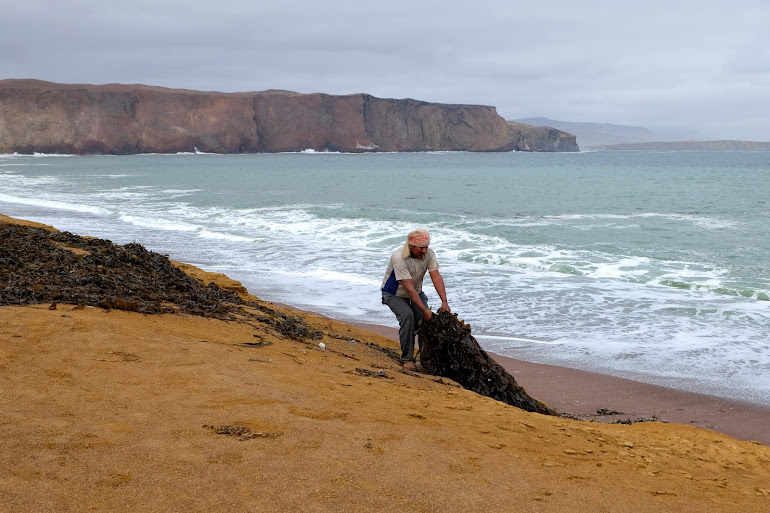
<point>408,315</point>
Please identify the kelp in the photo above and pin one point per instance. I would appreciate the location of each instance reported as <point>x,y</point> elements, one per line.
<point>448,349</point>
<point>43,266</point>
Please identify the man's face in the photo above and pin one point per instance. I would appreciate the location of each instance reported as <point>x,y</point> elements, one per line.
<point>418,252</point>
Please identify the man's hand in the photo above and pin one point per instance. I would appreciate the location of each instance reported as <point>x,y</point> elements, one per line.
<point>438,283</point>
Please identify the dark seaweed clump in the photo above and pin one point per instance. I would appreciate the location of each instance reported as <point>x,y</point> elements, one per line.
<point>447,349</point>
<point>38,266</point>
<point>44,266</point>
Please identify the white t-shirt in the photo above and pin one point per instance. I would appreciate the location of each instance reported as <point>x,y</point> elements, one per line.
<point>400,268</point>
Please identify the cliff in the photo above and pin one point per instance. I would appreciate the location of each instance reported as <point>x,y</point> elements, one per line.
<point>44,117</point>
<point>541,138</point>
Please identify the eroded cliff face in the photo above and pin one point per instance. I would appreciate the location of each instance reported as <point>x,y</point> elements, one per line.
<point>114,119</point>
<point>541,138</point>
<point>410,125</point>
<point>44,117</point>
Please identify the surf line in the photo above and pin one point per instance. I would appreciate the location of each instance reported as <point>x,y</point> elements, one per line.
<point>518,339</point>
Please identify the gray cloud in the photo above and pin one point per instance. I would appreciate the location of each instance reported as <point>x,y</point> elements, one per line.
<point>699,64</point>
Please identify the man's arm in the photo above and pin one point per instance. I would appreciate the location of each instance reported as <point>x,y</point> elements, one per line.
<point>415,297</point>
<point>438,284</point>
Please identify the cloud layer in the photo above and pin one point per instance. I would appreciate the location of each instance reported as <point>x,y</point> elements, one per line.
<point>703,65</point>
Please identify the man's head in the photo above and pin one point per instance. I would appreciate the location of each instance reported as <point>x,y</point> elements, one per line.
<point>417,243</point>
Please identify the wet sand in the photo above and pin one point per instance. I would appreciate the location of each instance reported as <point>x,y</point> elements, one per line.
<point>584,393</point>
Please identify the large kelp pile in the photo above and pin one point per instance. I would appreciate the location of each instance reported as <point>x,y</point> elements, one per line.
<point>42,266</point>
<point>45,266</point>
<point>447,349</point>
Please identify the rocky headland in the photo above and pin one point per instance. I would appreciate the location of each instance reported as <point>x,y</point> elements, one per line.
<point>541,138</point>
<point>45,117</point>
<point>608,136</point>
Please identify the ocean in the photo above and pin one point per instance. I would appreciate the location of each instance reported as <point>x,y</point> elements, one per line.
<point>648,265</point>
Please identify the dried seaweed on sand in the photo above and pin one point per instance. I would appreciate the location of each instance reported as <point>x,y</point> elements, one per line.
<point>40,266</point>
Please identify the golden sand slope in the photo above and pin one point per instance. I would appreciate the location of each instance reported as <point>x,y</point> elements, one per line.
<point>120,411</point>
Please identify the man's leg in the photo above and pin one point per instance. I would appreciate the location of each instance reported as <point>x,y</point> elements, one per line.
<point>407,323</point>
<point>418,315</point>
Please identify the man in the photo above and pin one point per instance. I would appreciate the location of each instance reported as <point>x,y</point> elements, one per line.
<point>402,289</point>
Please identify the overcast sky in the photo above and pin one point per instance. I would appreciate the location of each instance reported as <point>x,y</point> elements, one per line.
<point>701,64</point>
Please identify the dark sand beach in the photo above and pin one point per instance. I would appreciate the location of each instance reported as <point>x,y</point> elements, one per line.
<point>109,410</point>
<point>584,393</point>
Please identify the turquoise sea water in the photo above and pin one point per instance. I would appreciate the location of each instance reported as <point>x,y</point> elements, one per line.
<point>646,265</point>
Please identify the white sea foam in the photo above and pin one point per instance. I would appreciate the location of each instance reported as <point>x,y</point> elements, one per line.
<point>704,221</point>
<point>179,192</point>
<point>159,223</point>
<point>123,195</point>
<point>299,228</point>
<point>517,339</point>
<point>21,185</point>
<point>23,164</point>
<point>311,151</point>
<point>223,236</point>
<point>54,204</point>
<point>622,268</point>
<point>35,155</point>
<point>337,276</point>
<point>594,290</point>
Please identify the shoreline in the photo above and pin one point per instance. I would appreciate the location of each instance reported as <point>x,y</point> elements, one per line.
<point>583,393</point>
<point>114,408</point>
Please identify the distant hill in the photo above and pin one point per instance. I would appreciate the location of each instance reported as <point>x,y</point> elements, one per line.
<point>691,145</point>
<point>592,135</point>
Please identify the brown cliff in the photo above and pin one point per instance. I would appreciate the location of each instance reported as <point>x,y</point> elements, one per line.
<point>541,138</point>
<point>43,117</point>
